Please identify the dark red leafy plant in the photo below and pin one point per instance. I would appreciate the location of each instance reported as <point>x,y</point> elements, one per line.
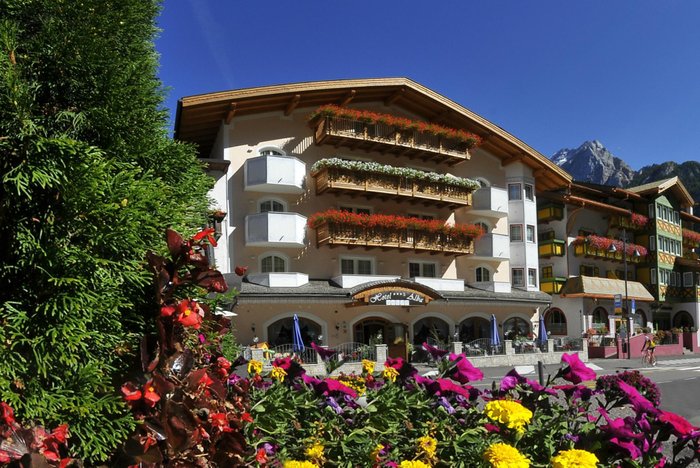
<point>190,413</point>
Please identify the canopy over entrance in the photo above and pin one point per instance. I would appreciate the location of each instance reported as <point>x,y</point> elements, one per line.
<point>393,293</point>
<point>604,288</point>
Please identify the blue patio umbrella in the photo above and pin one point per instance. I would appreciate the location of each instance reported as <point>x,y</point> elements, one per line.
<point>297,341</point>
<point>495,337</point>
<point>542,336</point>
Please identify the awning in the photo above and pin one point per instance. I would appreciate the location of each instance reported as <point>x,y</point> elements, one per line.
<point>604,288</point>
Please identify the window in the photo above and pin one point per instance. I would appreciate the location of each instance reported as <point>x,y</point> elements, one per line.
<point>518,277</point>
<point>424,269</point>
<point>652,211</point>
<point>532,276</point>
<point>482,275</point>
<point>529,192</point>
<point>530,233</point>
<point>514,327</point>
<point>688,279</point>
<point>273,264</point>
<point>356,209</point>
<point>555,322</point>
<point>356,266</point>
<point>652,274</point>
<point>652,243</point>
<point>271,205</point>
<point>514,192</point>
<point>589,270</point>
<point>516,232</point>
<point>547,272</point>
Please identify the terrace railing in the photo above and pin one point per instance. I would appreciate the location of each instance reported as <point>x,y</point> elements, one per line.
<point>408,239</point>
<point>379,136</point>
<point>384,184</point>
<point>355,352</point>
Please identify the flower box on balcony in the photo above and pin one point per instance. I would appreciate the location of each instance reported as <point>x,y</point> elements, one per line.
<point>600,247</point>
<point>366,129</point>
<point>691,238</point>
<point>635,222</point>
<point>371,177</point>
<point>335,227</point>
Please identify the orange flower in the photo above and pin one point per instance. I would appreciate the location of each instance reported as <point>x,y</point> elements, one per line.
<point>150,395</point>
<point>190,313</point>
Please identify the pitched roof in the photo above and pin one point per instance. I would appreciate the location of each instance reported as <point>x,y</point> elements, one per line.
<point>673,184</point>
<point>199,117</point>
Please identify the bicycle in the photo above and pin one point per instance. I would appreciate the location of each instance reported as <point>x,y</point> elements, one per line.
<point>648,358</point>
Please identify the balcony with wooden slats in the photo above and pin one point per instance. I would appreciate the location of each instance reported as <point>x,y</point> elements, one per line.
<point>338,234</point>
<point>396,187</point>
<point>383,138</point>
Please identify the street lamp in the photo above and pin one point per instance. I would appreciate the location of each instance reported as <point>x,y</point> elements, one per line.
<point>626,314</point>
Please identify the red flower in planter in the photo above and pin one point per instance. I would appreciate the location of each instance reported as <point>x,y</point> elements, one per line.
<point>205,234</point>
<point>220,422</point>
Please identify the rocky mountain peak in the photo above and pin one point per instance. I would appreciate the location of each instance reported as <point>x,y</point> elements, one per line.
<point>592,162</point>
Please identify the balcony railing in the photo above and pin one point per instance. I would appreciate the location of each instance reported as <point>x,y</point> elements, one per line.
<point>550,212</point>
<point>552,285</point>
<point>275,174</point>
<point>333,179</point>
<point>552,248</point>
<point>636,223</point>
<point>585,250</point>
<point>492,246</point>
<point>381,137</point>
<point>490,201</point>
<point>332,233</point>
<point>275,229</point>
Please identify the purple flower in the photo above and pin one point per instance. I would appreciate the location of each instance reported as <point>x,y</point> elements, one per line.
<point>435,353</point>
<point>325,353</point>
<point>629,447</point>
<point>512,378</point>
<point>446,404</point>
<point>577,371</point>
<point>463,371</point>
<point>620,428</point>
<point>578,392</point>
<point>334,404</point>
<point>678,424</point>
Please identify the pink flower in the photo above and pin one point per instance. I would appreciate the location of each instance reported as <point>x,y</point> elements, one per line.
<point>328,386</point>
<point>325,353</point>
<point>435,353</point>
<point>577,371</point>
<point>679,425</point>
<point>463,371</point>
<point>640,404</point>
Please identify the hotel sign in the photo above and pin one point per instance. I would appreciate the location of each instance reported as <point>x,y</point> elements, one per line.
<point>391,296</point>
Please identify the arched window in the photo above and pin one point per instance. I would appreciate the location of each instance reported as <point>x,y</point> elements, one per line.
<point>273,263</point>
<point>271,204</point>
<point>473,328</point>
<point>483,274</point>
<point>514,327</point>
<point>280,332</point>
<point>683,320</point>
<point>270,151</point>
<point>640,319</point>
<point>555,322</point>
<point>600,318</point>
<point>433,330</point>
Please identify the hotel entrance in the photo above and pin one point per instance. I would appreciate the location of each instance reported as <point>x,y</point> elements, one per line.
<point>376,330</point>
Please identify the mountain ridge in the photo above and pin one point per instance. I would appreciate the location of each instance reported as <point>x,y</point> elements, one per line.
<point>593,162</point>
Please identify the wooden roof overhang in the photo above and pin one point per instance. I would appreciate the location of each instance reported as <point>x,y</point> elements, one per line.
<point>199,117</point>
<point>674,185</point>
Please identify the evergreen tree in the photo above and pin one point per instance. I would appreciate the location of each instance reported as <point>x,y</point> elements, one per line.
<point>90,180</point>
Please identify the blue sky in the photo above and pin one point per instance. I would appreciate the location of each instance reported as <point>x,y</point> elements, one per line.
<point>554,73</point>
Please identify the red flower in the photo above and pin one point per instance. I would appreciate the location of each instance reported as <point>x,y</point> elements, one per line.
<point>190,313</point>
<point>8,415</point>
<point>130,392</point>
<point>246,417</point>
<point>261,456</point>
<point>241,271</point>
<point>167,310</point>
<point>205,234</point>
<point>205,380</point>
<point>220,421</point>
<point>150,395</point>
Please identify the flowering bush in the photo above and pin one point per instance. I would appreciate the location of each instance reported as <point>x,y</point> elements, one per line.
<point>691,237</point>
<point>456,232</point>
<point>470,139</point>
<point>639,220</point>
<point>405,172</point>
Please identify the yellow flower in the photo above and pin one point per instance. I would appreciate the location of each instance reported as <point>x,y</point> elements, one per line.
<point>376,452</point>
<point>278,373</point>
<point>427,445</point>
<point>413,464</point>
<point>505,456</point>
<point>390,374</point>
<point>315,452</point>
<point>254,367</point>
<point>575,458</point>
<point>511,413</point>
<point>353,381</point>
<point>368,366</point>
<point>299,464</point>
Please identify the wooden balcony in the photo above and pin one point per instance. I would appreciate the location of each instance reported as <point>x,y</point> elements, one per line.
<point>552,285</point>
<point>624,222</point>
<point>337,234</point>
<point>550,212</point>
<point>384,138</point>
<point>583,250</point>
<point>552,248</point>
<point>396,187</point>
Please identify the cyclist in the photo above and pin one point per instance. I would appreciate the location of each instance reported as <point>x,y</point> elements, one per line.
<point>648,350</point>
